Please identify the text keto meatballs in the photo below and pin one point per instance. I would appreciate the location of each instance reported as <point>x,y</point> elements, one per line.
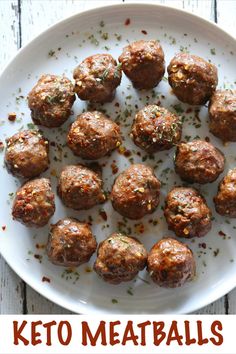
<point>143,63</point>
<point>51,100</point>
<point>27,154</point>
<point>198,162</point>
<point>225,200</point>
<point>187,213</point>
<point>93,135</point>
<point>171,263</point>
<point>222,114</point>
<point>97,78</point>
<point>120,258</point>
<point>80,187</point>
<point>70,243</point>
<point>155,129</point>
<point>34,203</point>
<point>193,79</point>
<point>135,192</point>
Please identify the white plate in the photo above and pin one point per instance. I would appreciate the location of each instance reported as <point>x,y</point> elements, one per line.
<point>79,37</point>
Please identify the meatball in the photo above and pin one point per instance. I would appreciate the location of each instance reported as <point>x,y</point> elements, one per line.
<point>193,79</point>
<point>97,78</point>
<point>155,129</point>
<point>222,114</point>
<point>34,203</point>
<point>70,243</point>
<point>136,192</point>
<point>93,136</point>
<point>225,200</point>
<point>120,258</point>
<point>187,213</point>
<point>198,162</point>
<point>27,154</point>
<point>51,100</point>
<point>143,63</point>
<point>171,263</point>
<point>80,187</point>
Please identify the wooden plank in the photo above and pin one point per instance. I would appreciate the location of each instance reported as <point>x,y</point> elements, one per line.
<point>11,286</point>
<point>226,15</point>
<point>36,304</point>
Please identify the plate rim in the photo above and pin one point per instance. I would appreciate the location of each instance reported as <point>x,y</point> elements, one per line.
<point>44,291</point>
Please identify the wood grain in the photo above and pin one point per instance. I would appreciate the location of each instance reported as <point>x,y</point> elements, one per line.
<point>22,20</point>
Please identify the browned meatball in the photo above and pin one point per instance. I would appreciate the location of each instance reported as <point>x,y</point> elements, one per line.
<point>198,162</point>
<point>171,263</point>
<point>120,258</point>
<point>155,129</point>
<point>192,78</point>
<point>70,243</point>
<point>136,192</point>
<point>222,114</point>
<point>80,188</point>
<point>34,203</point>
<point>93,135</point>
<point>225,200</point>
<point>97,78</point>
<point>187,213</point>
<point>27,154</point>
<point>143,63</point>
<point>51,100</point>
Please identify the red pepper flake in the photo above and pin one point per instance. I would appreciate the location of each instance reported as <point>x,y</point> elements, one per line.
<point>117,104</point>
<point>207,139</point>
<point>4,227</point>
<point>189,110</point>
<point>38,256</point>
<point>202,245</point>
<point>127,153</point>
<point>12,117</point>
<point>46,279</point>
<point>1,146</point>
<point>221,233</point>
<point>40,246</point>
<point>103,214</point>
<point>114,168</point>
<point>139,228</point>
<point>144,32</point>
<point>52,143</point>
<point>127,22</point>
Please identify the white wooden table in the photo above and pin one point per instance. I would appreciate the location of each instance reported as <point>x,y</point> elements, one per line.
<point>20,21</point>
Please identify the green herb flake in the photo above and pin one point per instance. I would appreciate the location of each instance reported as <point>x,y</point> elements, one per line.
<point>213,51</point>
<point>31,126</point>
<point>130,292</point>
<point>114,301</point>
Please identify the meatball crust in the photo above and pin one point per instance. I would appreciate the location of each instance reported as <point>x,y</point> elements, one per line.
<point>70,243</point>
<point>198,162</point>
<point>120,258</point>
<point>187,213</point>
<point>51,100</point>
<point>143,63</point>
<point>93,135</point>
<point>222,114</point>
<point>155,129</point>
<point>80,188</point>
<point>27,154</point>
<point>193,79</point>
<point>225,200</point>
<point>34,203</point>
<point>136,192</point>
<point>97,78</point>
<point>171,263</point>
